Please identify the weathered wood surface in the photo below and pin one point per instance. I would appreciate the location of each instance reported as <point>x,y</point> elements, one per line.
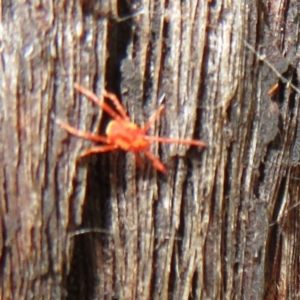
<point>223,223</point>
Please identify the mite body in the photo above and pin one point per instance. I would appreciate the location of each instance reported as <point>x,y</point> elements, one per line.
<point>127,136</point>
<point>121,133</point>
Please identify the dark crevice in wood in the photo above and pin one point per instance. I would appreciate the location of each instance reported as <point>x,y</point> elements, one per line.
<point>259,179</point>
<point>226,239</point>
<point>293,95</point>
<point>195,288</point>
<point>96,211</point>
<point>173,277</point>
<point>119,34</point>
<point>147,84</point>
<point>95,215</point>
<point>273,262</point>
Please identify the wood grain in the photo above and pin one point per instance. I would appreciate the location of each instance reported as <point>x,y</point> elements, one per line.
<point>223,223</point>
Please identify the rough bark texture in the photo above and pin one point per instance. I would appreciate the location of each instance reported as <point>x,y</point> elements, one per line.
<point>222,223</point>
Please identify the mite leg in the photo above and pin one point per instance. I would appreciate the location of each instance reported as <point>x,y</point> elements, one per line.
<point>162,139</point>
<point>156,162</point>
<point>139,161</point>
<point>83,134</point>
<point>93,97</point>
<point>99,149</point>
<point>113,98</point>
<point>154,117</point>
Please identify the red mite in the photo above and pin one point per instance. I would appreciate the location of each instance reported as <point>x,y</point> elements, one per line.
<point>121,133</point>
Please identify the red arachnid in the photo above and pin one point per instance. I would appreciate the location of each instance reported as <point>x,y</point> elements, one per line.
<point>121,133</point>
